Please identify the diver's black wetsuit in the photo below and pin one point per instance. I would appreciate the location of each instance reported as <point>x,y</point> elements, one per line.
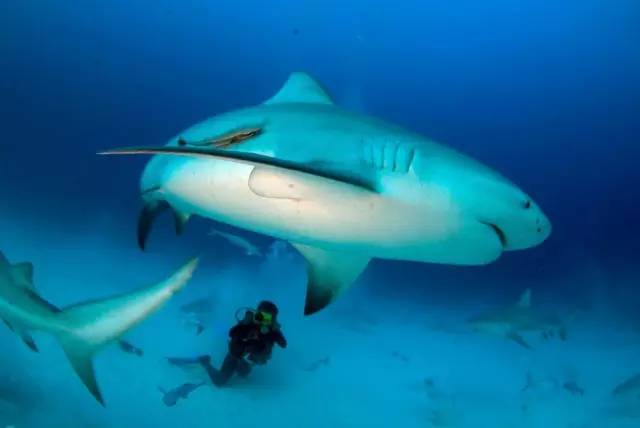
<point>247,340</point>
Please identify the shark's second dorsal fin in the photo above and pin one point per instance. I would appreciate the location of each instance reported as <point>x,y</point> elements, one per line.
<point>525,299</point>
<point>301,88</point>
<point>23,273</point>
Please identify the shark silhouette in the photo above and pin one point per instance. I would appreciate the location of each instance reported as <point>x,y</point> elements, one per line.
<point>342,187</point>
<point>82,329</point>
<point>512,320</point>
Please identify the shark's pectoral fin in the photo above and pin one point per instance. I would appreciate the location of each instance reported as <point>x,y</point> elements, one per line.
<point>519,340</point>
<point>276,183</point>
<point>82,362</point>
<point>329,273</point>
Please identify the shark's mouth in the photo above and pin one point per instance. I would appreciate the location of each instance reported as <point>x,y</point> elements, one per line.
<point>499,233</point>
<point>150,190</point>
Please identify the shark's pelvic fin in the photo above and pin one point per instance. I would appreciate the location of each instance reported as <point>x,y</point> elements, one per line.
<point>87,327</point>
<point>150,211</point>
<point>23,273</point>
<point>301,88</point>
<point>180,219</point>
<point>519,340</point>
<point>525,299</point>
<point>330,172</point>
<point>329,274</point>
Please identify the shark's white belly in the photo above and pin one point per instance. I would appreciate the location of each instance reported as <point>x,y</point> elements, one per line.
<point>306,209</point>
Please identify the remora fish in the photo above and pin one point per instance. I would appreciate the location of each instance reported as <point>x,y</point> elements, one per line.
<point>341,187</point>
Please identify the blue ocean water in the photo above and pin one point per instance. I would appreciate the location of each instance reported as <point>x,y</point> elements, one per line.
<point>547,93</point>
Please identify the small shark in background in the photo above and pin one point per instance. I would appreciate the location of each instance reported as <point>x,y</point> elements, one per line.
<point>630,387</point>
<point>341,187</point>
<point>130,348</point>
<point>247,247</point>
<point>624,401</point>
<point>170,398</point>
<point>512,320</point>
<point>540,382</point>
<point>197,313</point>
<point>322,362</point>
<point>84,328</point>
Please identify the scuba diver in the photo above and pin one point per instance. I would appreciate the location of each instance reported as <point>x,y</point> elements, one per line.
<point>251,342</point>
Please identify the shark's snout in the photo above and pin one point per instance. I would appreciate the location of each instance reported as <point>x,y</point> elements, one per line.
<point>515,219</point>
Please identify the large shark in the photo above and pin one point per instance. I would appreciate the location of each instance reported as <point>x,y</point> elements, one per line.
<point>512,320</point>
<point>341,187</point>
<point>82,329</point>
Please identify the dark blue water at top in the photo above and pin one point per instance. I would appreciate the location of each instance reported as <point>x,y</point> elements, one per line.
<point>548,93</point>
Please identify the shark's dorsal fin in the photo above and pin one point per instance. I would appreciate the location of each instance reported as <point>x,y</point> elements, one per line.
<point>525,299</point>
<point>23,273</point>
<point>329,274</point>
<point>301,88</point>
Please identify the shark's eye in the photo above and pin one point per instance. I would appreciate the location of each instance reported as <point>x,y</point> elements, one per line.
<point>526,204</point>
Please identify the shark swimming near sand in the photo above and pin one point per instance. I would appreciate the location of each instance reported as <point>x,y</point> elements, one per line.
<point>244,244</point>
<point>84,328</point>
<point>512,320</point>
<point>343,188</point>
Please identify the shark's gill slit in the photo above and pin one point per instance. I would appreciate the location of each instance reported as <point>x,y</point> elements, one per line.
<point>499,232</point>
<point>412,155</point>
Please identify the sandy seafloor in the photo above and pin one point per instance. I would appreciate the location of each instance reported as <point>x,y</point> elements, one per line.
<point>392,362</point>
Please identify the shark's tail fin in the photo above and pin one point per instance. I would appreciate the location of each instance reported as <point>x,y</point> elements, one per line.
<point>86,327</point>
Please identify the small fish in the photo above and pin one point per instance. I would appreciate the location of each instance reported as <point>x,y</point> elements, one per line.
<point>240,242</point>
<point>539,383</point>
<point>130,348</point>
<point>573,388</point>
<point>400,356</point>
<point>170,398</point>
<point>317,364</point>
